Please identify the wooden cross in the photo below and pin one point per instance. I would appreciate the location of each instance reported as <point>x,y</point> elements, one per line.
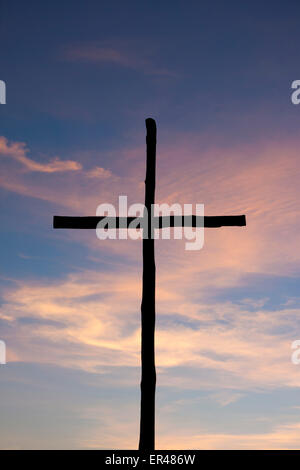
<point>148,373</point>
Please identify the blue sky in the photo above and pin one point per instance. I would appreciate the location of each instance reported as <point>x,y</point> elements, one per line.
<point>81,78</point>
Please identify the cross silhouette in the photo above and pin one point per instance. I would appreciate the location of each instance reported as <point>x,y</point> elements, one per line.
<point>148,372</point>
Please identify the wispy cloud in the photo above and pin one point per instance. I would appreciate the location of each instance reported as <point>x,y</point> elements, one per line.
<point>117,54</point>
<point>18,151</point>
<point>268,245</point>
<point>281,437</point>
<point>98,172</point>
<point>284,436</point>
<point>59,182</point>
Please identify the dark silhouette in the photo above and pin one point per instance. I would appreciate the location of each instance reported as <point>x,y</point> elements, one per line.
<point>148,375</point>
<point>172,221</point>
<point>148,382</point>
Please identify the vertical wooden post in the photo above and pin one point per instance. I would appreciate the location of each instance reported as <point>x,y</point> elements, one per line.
<point>148,375</point>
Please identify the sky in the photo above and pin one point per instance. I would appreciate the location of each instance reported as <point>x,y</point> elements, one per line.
<point>81,78</point>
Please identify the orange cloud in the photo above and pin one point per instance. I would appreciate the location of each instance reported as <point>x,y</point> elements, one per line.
<point>92,319</point>
<point>121,434</point>
<point>283,437</point>
<point>99,172</point>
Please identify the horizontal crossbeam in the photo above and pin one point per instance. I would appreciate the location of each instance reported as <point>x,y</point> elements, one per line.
<point>158,222</point>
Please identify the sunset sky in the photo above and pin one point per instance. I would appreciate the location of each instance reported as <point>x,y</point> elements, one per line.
<point>81,78</point>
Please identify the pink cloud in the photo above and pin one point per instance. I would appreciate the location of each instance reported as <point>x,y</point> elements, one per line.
<point>18,151</point>
<point>99,172</point>
<point>255,180</point>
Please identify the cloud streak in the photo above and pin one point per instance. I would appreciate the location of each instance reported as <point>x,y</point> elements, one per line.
<point>18,151</point>
<point>280,438</point>
<point>115,54</point>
